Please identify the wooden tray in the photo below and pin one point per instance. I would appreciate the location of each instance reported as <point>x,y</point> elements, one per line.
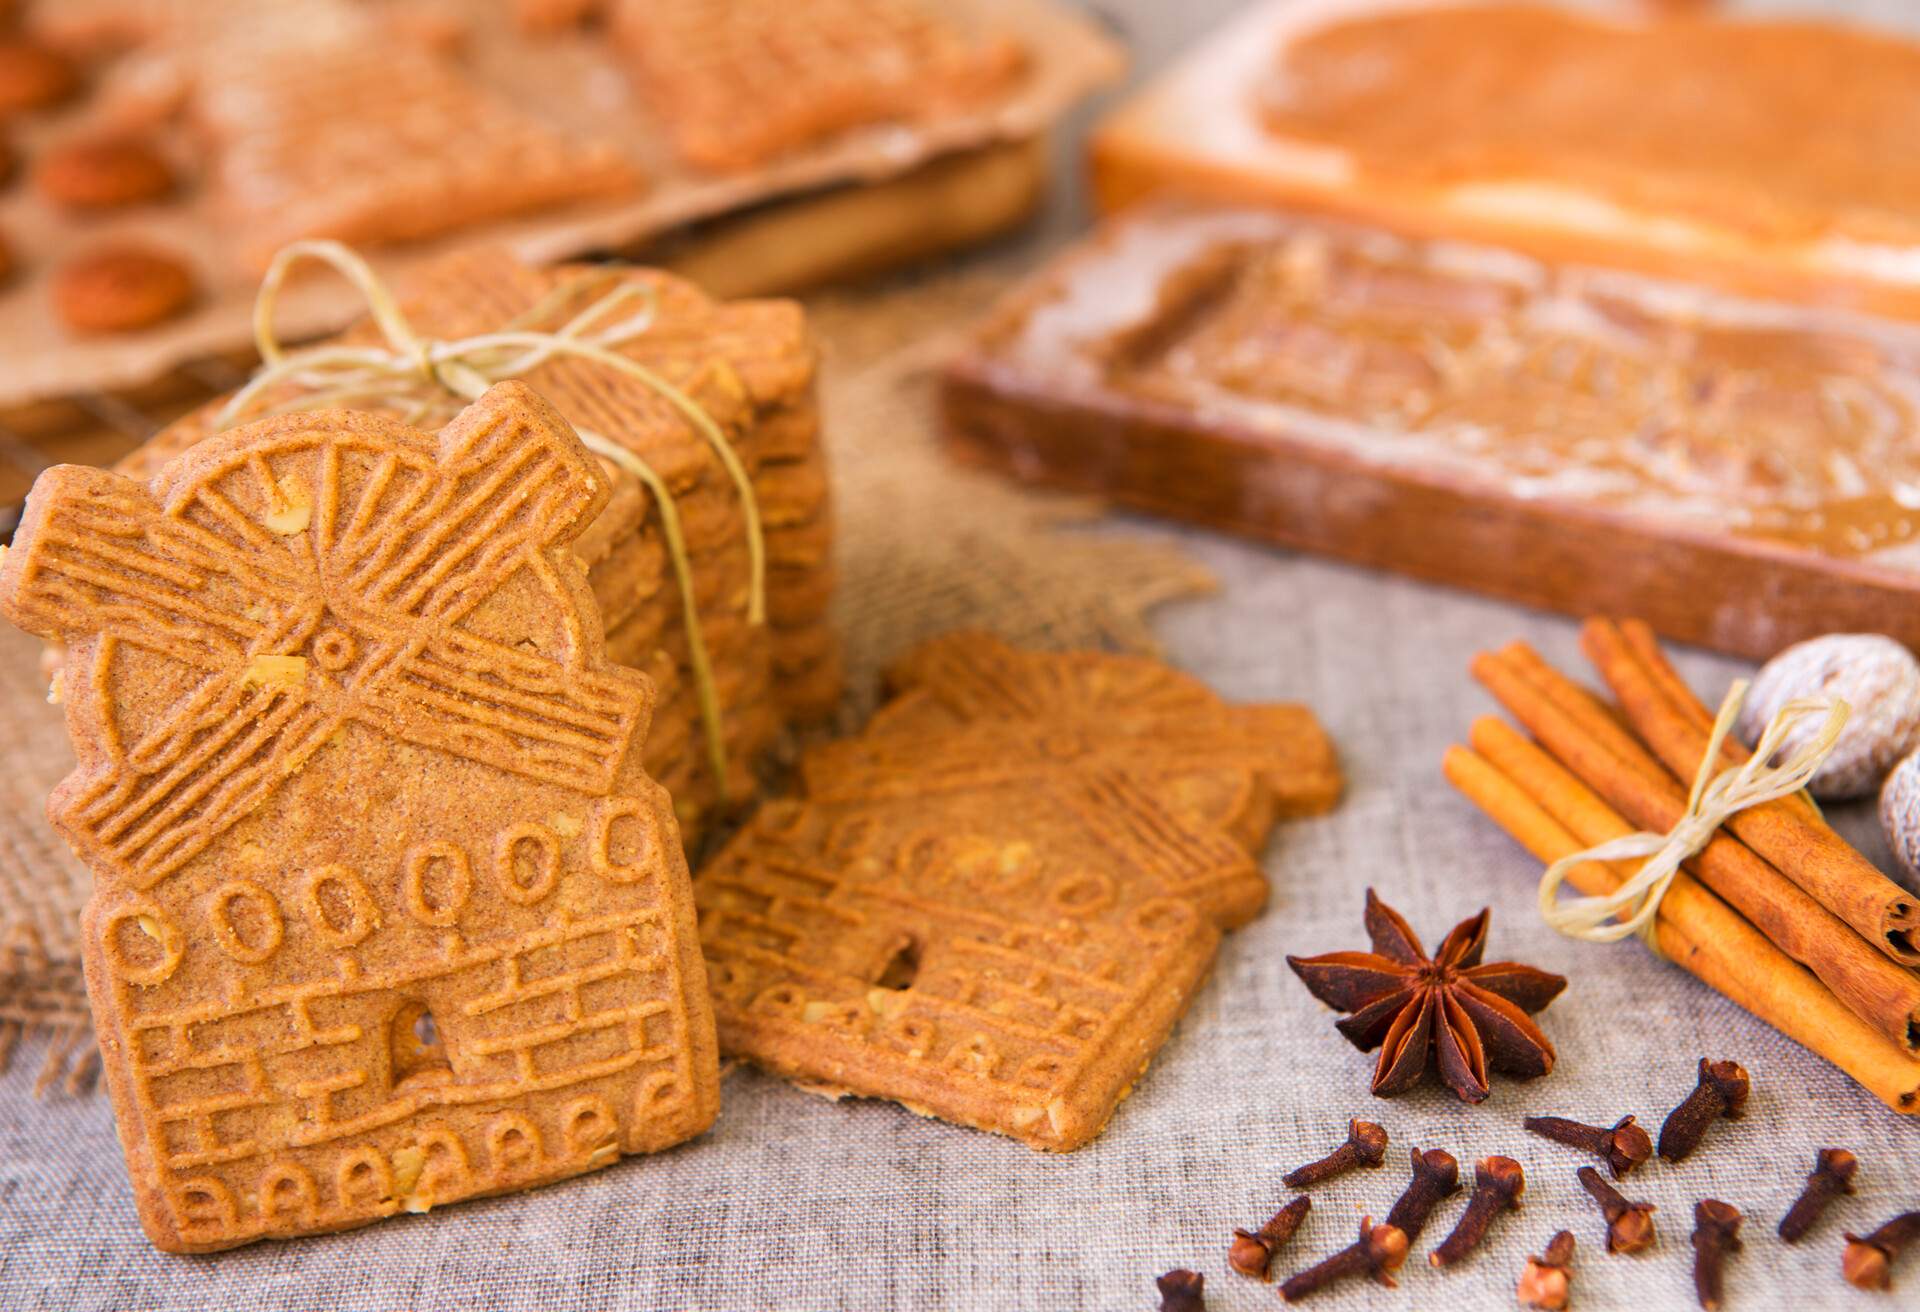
<point>562,81</point>
<point>1112,372</point>
<point>785,246</point>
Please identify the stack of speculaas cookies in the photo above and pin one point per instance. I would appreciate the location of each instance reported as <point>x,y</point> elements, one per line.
<point>386,910</point>
<point>748,365</point>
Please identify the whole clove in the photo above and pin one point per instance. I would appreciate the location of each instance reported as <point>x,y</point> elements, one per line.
<point>1182,1291</point>
<point>1721,1091</point>
<point>1548,1279</point>
<point>1252,1251</point>
<point>1377,1254</point>
<point>1436,1178</point>
<point>1832,1176</point>
<point>1716,1236</point>
<point>1622,1147</point>
<point>1366,1145</point>
<point>1629,1225</point>
<point>1498,1183</point>
<point>1868,1259</point>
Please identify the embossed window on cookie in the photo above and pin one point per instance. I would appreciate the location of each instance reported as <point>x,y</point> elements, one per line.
<point>419,1052</point>
<point>900,967</point>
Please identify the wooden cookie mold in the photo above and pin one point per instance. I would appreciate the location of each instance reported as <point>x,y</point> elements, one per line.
<point>1736,471</point>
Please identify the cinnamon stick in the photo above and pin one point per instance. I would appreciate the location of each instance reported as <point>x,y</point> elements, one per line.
<point>1595,717</point>
<point>1640,636</point>
<point>1693,928</point>
<point>1584,739</point>
<point>1801,846</point>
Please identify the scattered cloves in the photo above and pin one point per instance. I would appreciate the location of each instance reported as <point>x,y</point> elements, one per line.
<point>1366,1145</point>
<point>1832,1176</point>
<point>1378,1253</point>
<point>1622,1147</point>
<point>1868,1260</point>
<point>1182,1291</point>
<point>1716,1235</point>
<point>1548,1279</point>
<point>1722,1091</point>
<point>1498,1183</point>
<point>1436,1177</point>
<point>1629,1225</point>
<point>1252,1251</point>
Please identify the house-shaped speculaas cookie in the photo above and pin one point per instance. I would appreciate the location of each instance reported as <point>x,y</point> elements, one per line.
<point>1240,767</point>
<point>996,918</point>
<point>386,912</point>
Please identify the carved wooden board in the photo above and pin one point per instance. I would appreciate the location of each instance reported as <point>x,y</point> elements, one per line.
<point>1735,471</point>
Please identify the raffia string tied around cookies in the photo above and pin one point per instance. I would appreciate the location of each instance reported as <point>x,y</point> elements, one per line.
<point>1715,797</point>
<point>421,375</point>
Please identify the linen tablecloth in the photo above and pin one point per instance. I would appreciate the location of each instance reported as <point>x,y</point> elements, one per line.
<point>795,1202</point>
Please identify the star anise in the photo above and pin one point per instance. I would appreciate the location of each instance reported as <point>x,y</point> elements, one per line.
<point>1448,1010</point>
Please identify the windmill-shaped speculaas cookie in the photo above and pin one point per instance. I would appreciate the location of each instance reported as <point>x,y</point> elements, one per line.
<point>994,920</point>
<point>386,912</point>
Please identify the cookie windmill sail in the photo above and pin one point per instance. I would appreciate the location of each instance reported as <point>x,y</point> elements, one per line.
<point>352,757</point>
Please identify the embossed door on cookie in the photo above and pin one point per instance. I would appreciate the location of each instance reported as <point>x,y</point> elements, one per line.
<point>386,911</point>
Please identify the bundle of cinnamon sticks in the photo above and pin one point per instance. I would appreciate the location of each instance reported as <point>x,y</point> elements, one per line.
<point>1777,912</point>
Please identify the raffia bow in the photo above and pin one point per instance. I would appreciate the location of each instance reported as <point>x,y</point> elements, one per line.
<point>421,375</point>
<point>1630,909</point>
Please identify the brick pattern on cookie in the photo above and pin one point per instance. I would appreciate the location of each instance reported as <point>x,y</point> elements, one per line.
<point>387,912</point>
<point>816,69</point>
<point>994,919</point>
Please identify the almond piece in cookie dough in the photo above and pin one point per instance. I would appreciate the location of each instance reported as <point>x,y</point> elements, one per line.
<point>119,288</point>
<point>33,76</point>
<point>104,172</point>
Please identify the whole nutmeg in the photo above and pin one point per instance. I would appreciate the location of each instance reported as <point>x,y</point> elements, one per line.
<point>1874,675</point>
<point>1900,814</point>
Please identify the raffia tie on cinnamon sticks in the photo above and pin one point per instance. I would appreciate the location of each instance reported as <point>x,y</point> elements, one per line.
<point>423,376</point>
<point>1715,799</point>
<point>1793,838</point>
<point>1590,740</point>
